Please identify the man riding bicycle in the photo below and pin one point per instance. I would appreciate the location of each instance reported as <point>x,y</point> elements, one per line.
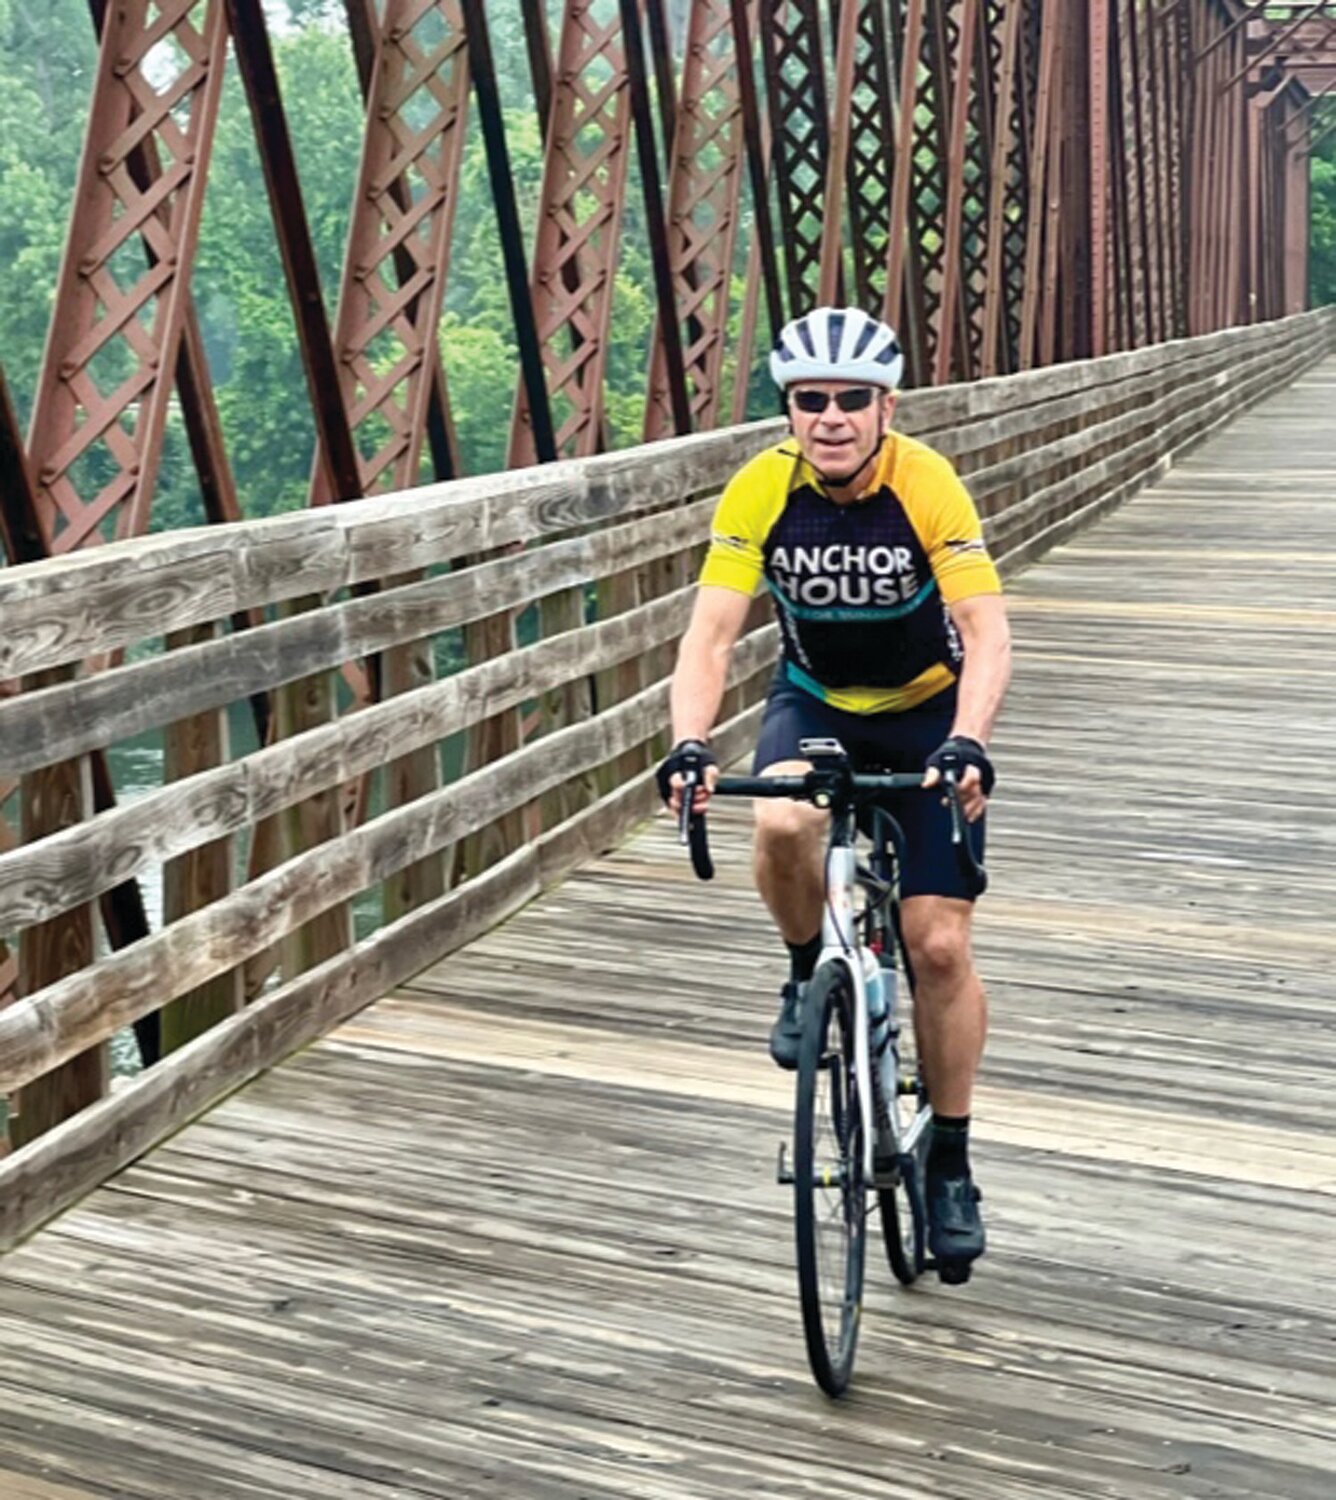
<point>895,643</point>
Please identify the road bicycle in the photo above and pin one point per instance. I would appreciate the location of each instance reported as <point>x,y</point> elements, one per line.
<point>862,1118</point>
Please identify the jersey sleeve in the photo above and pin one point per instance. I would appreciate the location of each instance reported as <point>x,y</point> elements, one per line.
<point>734,560</point>
<point>952,532</point>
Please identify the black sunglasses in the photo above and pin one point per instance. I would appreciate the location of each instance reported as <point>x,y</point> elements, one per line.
<point>812,402</point>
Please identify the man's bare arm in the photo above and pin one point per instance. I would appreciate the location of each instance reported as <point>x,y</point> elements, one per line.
<point>986,637</point>
<point>717,621</point>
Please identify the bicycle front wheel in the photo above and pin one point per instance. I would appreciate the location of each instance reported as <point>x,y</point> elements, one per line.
<point>830,1197</point>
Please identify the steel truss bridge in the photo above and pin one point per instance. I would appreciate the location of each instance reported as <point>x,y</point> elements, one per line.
<point>1089,219</point>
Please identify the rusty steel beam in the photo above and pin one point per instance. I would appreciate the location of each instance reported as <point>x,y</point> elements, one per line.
<point>116,325</point>
<point>872,164</point>
<point>830,274</point>
<point>898,251</point>
<point>398,244</point>
<point>483,71</point>
<point>1271,44</point>
<point>579,225</point>
<point>704,193</point>
<point>994,315</point>
<point>800,126</point>
<point>668,343</point>
<point>961,74</point>
<point>757,140</point>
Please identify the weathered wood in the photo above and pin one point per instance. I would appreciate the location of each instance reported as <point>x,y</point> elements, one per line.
<point>52,798</point>
<point>406,669</point>
<point>73,607</point>
<point>45,1029</point>
<point>39,880</point>
<point>514,1230</point>
<point>204,874</point>
<point>127,701</point>
<point>61,1166</point>
<point>84,603</point>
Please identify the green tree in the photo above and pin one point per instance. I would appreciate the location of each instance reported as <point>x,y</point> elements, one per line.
<point>1322,240</point>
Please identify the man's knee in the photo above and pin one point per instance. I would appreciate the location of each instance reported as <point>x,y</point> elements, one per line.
<point>785,829</point>
<point>937,933</point>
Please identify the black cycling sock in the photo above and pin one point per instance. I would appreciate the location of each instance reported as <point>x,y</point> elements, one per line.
<point>802,958</point>
<point>949,1153</point>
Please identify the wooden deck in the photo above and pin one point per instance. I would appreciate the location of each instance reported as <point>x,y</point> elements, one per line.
<point>515,1233</point>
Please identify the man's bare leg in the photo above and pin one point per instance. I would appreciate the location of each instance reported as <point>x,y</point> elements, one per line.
<point>950,1024</point>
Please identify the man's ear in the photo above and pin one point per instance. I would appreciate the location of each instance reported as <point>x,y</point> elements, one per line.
<point>888,406</point>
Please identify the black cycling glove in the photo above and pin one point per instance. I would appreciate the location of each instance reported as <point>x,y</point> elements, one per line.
<point>685,757</point>
<point>959,752</point>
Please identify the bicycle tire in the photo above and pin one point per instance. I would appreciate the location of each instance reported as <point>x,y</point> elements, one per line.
<point>902,1226</point>
<point>830,1196</point>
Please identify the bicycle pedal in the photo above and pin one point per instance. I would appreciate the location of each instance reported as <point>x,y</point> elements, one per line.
<point>954,1272</point>
<point>886,1171</point>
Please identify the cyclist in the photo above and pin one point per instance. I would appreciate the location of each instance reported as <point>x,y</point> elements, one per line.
<point>895,642</point>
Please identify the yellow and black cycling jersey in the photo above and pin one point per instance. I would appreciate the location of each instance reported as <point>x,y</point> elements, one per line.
<point>862,588</point>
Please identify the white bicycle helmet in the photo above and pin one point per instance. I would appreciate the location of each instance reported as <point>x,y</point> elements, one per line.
<point>837,343</point>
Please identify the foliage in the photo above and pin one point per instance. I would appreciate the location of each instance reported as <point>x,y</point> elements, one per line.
<point>1322,265</point>
<point>48,58</point>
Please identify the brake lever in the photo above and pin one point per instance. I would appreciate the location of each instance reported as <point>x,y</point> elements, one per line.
<point>691,828</point>
<point>975,874</point>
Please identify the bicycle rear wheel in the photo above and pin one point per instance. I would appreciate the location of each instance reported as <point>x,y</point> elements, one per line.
<point>830,1198</point>
<point>903,1212</point>
<point>902,1223</point>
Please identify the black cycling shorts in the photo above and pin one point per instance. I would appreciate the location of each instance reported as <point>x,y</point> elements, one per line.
<point>880,742</point>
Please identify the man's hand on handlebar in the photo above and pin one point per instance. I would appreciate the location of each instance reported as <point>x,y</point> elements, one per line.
<point>974,773</point>
<point>688,760</point>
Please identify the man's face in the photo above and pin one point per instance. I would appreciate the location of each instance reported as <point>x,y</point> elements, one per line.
<point>844,430</point>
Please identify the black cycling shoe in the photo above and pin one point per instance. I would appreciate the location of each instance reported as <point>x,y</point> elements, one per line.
<point>955,1226</point>
<point>786,1035</point>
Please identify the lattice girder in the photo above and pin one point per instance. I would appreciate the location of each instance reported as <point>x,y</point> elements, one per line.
<point>869,174</point>
<point>800,133</point>
<point>704,191</point>
<point>585,168</point>
<point>123,296</point>
<point>394,276</point>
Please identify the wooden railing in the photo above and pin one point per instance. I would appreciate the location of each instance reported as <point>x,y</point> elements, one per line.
<point>565,587</point>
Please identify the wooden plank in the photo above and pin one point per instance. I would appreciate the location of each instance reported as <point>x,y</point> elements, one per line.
<point>42,879</point>
<point>44,1029</point>
<point>129,700</point>
<point>67,609</point>
<point>203,874</point>
<point>38,1183</point>
<point>514,1231</point>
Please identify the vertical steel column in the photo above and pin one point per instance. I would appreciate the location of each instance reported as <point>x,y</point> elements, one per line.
<point>758,164</point>
<point>904,303</point>
<point>483,71</point>
<point>579,226</point>
<point>951,309</point>
<point>996,285</point>
<point>1143,158</point>
<point>704,193</point>
<point>399,241</point>
<point>844,21</point>
<point>1100,248</point>
<point>674,381</point>
<point>1042,187</point>
<point>795,74</point>
<point>116,326</point>
<point>872,162</point>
